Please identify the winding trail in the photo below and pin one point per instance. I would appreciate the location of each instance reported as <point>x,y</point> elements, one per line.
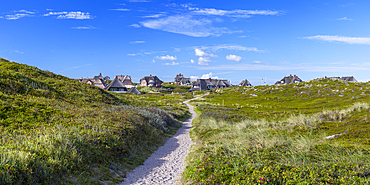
<point>166,164</point>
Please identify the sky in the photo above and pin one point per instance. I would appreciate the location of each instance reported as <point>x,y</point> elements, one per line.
<point>258,40</point>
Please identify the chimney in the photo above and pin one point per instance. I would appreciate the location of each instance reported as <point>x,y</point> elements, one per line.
<point>150,75</point>
<point>290,75</point>
<point>209,78</point>
<point>99,74</point>
<point>81,77</point>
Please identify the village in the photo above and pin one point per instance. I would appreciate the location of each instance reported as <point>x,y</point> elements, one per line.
<point>123,83</point>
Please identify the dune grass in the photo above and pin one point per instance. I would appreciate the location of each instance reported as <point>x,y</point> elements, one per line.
<point>54,130</point>
<point>260,139</point>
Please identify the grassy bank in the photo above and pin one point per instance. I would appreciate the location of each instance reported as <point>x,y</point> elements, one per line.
<point>277,135</point>
<point>55,130</point>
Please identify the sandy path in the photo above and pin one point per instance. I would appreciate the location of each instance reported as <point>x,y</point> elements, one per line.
<point>166,164</point>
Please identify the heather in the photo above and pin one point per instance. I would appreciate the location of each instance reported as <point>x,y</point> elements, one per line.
<point>278,135</point>
<point>55,130</point>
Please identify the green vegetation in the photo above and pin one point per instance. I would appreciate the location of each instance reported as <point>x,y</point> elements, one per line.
<point>277,135</point>
<point>55,130</point>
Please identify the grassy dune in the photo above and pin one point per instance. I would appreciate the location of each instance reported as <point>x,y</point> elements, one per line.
<point>277,135</point>
<point>54,130</point>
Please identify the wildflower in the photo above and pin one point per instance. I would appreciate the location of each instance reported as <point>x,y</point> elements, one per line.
<point>123,176</point>
<point>228,163</point>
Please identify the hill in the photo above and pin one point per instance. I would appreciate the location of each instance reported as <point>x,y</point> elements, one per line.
<point>56,130</point>
<point>313,132</point>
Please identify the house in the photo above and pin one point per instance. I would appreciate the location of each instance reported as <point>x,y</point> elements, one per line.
<point>116,86</point>
<point>150,81</point>
<point>206,84</point>
<point>134,90</point>
<point>289,79</point>
<point>126,80</point>
<point>180,80</point>
<point>245,83</point>
<point>98,81</point>
<point>101,77</point>
<point>345,78</point>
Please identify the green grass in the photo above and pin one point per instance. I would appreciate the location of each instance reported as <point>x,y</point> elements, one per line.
<point>278,136</point>
<point>55,130</point>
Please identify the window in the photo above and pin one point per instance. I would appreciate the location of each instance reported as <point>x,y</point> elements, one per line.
<point>98,84</point>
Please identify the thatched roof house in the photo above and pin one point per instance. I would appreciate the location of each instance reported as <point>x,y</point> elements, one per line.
<point>245,83</point>
<point>288,80</point>
<point>207,84</point>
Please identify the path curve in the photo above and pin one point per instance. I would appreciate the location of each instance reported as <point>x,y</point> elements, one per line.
<point>166,164</point>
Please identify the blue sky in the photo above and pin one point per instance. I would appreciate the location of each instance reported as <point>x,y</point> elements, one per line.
<point>235,39</point>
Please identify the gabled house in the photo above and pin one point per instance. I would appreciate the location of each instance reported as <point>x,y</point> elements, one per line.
<point>150,81</point>
<point>345,78</point>
<point>180,80</point>
<point>134,90</point>
<point>245,83</point>
<point>125,79</point>
<point>116,86</point>
<point>288,80</point>
<point>207,84</point>
<point>98,81</point>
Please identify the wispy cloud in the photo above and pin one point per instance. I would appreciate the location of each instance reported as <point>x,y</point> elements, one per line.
<point>234,57</point>
<point>167,57</point>
<point>154,16</point>
<point>87,27</point>
<point>19,14</point>
<point>170,64</point>
<point>134,54</point>
<point>232,13</point>
<point>76,67</point>
<point>13,51</point>
<point>70,15</point>
<point>257,62</point>
<point>120,9</point>
<point>344,19</point>
<point>192,61</point>
<point>135,25</point>
<point>186,25</point>
<point>231,47</point>
<point>137,42</point>
<point>336,38</point>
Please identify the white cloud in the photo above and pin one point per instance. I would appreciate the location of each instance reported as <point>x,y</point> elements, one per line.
<point>19,14</point>
<point>192,61</point>
<point>186,25</point>
<point>257,62</point>
<point>167,57</point>
<point>153,61</point>
<point>232,47</point>
<point>203,60</point>
<point>171,64</point>
<point>232,13</point>
<point>120,9</point>
<point>138,42</point>
<point>134,54</point>
<point>335,38</point>
<point>201,53</point>
<point>234,57</point>
<point>70,15</point>
<point>25,11</point>
<point>193,78</point>
<point>344,19</point>
<point>154,16</point>
<point>87,27</point>
<point>209,75</point>
<point>135,25</point>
